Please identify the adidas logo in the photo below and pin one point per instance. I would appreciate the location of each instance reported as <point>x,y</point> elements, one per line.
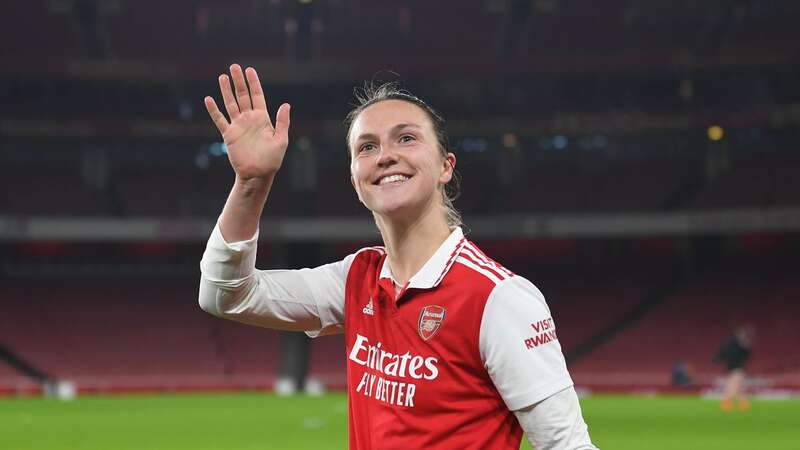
<point>368,310</point>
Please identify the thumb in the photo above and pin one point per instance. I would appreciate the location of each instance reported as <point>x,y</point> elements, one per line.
<point>282,120</point>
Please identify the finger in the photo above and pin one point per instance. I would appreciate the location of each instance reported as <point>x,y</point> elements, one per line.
<point>216,115</point>
<point>256,93</point>
<point>242,93</point>
<point>227,97</point>
<point>282,122</point>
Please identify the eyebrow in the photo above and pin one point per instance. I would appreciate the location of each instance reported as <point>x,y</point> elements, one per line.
<point>395,129</point>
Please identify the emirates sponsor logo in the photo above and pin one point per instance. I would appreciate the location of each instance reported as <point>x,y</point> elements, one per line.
<point>430,321</point>
<point>406,365</point>
<point>391,378</point>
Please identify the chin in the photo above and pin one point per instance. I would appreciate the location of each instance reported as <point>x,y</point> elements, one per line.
<point>392,210</point>
<point>398,210</point>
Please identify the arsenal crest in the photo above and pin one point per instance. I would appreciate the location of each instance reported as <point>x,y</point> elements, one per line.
<point>430,320</point>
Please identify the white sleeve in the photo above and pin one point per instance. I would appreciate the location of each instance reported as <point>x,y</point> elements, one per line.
<point>519,345</point>
<point>310,300</point>
<point>556,423</point>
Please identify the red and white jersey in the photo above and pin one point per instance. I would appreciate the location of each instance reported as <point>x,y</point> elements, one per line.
<point>442,364</point>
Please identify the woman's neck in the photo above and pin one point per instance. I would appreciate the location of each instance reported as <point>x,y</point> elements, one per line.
<point>409,245</point>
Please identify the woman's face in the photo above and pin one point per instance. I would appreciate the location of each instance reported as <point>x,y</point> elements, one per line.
<point>396,165</point>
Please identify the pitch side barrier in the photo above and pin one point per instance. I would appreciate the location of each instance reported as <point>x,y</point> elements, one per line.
<point>334,229</point>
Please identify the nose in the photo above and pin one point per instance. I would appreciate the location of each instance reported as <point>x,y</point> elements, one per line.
<point>386,156</point>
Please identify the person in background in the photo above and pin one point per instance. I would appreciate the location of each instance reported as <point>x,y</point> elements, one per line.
<point>733,355</point>
<point>682,376</point>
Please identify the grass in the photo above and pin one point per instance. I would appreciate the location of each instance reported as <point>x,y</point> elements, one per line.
<point>259,421</point>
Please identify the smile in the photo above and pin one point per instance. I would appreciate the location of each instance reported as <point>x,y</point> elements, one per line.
<point>392,179</point>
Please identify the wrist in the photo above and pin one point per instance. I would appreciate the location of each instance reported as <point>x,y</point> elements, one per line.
<point>253,185</point>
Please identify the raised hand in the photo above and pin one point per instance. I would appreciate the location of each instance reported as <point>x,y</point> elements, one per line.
<point>255,147</point>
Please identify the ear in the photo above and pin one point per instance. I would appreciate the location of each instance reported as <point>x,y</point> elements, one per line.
<point>448,168</point>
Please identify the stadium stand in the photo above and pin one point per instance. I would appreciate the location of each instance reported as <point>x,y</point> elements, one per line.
<point>691,321</point>
<point>12,383</point>
<point>62,189</point>
<point>327,361</point>
<point>767,179</point>
<point>568,184</point>
<point>121,335</point>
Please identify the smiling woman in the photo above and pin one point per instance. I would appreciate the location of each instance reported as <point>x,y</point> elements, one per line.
<point>432,125</point>
<point>438,335</point>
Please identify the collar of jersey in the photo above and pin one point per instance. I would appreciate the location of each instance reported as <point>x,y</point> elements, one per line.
<point>434,270</point>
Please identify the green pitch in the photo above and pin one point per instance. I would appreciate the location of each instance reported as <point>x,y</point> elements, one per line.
<point>259,421</point>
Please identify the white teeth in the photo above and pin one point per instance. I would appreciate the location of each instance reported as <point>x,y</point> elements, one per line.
<point>392,179</point>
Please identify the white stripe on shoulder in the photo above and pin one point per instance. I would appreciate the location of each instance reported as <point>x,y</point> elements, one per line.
<point>488,274</point>
<point>479,255</point>
<point>476,258</point>
<point>377,249</point>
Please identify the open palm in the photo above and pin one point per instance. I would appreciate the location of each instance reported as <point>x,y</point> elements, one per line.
<point>255,147</point>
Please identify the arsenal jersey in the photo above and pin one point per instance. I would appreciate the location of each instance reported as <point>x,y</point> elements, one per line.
<point>439,363</point>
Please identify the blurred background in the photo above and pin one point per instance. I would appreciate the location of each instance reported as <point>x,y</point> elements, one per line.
<point>638,161</point>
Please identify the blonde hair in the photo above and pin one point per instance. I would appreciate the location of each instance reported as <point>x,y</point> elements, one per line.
<point>371,94</point>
